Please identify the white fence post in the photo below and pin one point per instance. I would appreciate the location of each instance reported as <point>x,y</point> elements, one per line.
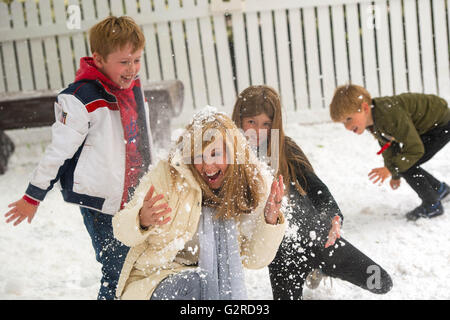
<point>37,53</point>
<point>240,51</point>
<point>51,53</point>
<point>209,58</point>
<point>369,23</point>
<point>442,54</point>
<point>398,48</point>
<point>224,61</point>
<point>11,76</point>
<point>165,50</point>
<point>326,54</point>
<point>312,58</point>
<point>254,49</point>
<point>23,58</point>
<point>181,60</point>
<point>340,44</point>
<point>67,62</point>
<point>298,60</point>
<point>426,47</point>
<point>284,59</point>
<point>269,50</point>
<point>3,17</point>
<point>384,51</point>
<point>354,45</point>
<point>412,46</point>
<point>195,57</point>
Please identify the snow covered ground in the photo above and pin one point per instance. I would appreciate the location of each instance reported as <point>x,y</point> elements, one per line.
<point>52,258</point>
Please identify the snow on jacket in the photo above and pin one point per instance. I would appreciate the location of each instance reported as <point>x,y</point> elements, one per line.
<point>88,149</point>
<point>160,251</point>
<point>401,120</point>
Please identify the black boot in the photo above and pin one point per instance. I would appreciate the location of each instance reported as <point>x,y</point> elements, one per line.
<point>425,211</point>
<point>444,191</point>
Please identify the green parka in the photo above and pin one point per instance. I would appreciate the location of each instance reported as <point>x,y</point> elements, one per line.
<point>401,120</point>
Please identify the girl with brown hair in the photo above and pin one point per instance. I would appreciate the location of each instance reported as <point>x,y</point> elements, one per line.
<point>217,214</point>
<point>310,246</point>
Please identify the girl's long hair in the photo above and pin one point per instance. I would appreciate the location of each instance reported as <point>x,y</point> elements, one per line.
<point>256,100</point>
<point>242,189</point>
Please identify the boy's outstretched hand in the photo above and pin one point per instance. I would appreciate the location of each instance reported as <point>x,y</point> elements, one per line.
<point>394,183</point>
<point>379,174</point>
<point>21,210</point>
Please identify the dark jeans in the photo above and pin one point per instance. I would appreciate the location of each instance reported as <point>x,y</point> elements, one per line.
<point>110,252</point>
<point>422,182</point>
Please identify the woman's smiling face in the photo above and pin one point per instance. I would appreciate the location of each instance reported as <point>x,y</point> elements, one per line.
<point>212,164</point>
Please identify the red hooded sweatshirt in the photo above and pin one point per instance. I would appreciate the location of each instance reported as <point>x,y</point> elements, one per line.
<point>128,115</point>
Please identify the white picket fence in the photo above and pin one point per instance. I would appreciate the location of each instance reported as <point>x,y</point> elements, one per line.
<point>303,48</point>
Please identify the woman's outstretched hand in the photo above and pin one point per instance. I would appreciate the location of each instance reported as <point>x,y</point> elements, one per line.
<point>273,204</point>
<point>151,214</point>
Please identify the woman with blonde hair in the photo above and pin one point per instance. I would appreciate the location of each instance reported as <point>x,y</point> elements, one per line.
<point>310,247</point>
<point>197,218</point>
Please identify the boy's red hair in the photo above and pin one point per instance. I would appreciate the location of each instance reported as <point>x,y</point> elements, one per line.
<point>114,33</point>
<point>347,99</point>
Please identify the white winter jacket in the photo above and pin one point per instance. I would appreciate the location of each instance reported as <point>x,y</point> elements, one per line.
<point>87,152</point>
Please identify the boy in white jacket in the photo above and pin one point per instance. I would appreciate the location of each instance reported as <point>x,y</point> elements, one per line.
<point>101,142</point>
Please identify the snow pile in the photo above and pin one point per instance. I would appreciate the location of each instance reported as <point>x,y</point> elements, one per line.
<point>52,258</point>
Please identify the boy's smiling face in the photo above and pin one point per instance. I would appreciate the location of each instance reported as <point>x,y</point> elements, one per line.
<point>358,121</point>
<point>121,65</point>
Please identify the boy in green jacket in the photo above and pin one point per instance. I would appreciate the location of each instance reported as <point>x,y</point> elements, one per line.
<point>410,128</point>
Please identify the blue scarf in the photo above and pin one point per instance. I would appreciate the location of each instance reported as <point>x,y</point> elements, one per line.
<point>219,258</point>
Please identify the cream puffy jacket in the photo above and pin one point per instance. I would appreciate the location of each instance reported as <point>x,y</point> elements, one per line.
<point>160,251</point>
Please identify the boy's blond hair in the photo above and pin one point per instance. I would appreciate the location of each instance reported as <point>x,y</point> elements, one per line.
<point>347,99</point>
<point>114,33</point>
